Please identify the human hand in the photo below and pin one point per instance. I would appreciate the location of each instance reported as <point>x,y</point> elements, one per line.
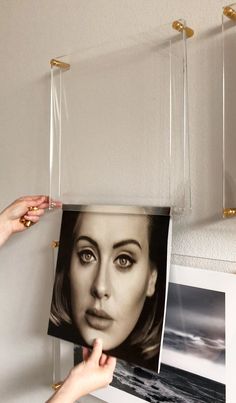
<point>29,208</point>
<point>95,372</point>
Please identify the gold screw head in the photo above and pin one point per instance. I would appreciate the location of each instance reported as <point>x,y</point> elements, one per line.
<point>229,12</point>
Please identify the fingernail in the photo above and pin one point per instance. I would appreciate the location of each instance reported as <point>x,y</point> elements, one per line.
<point>97,342</point>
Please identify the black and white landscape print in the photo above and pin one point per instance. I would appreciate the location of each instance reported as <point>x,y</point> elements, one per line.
<point>171,385</point>
<point>194,337</point>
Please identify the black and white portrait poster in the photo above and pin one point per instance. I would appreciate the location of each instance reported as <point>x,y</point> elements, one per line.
<point>111,280</point>
<point>199,350</point>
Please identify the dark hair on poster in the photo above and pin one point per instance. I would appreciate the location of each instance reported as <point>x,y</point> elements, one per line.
<point>110,282</point>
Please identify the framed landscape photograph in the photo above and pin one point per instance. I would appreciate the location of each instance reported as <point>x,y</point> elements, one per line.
<point>199,351</point>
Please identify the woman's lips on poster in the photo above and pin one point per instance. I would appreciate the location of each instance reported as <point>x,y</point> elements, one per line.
<point>98,319</point>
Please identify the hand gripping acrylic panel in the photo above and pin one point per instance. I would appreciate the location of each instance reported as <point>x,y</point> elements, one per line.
<point>119,128</point>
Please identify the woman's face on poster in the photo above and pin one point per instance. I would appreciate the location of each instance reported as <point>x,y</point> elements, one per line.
<point>110,275</point>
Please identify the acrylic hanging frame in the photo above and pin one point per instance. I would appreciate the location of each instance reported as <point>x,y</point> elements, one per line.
<point>175,167</point>
<point>124,97</point>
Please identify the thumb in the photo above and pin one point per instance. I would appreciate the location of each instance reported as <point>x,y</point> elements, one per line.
<point>96,352</point>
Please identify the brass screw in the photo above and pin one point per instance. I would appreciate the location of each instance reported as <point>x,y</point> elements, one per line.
<point>179,26</point>
<point>57,385</point>
<point>60,64</point>
<point>55,244</point>
<point>230,13</point>
<point>229,212</point>
<point>26,223</point>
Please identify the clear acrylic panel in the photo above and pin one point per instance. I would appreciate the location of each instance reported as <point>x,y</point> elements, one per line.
<point>119,130</point>
<point>229,116</point>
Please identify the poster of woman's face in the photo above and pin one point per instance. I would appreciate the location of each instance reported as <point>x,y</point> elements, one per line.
<point>110,280</point>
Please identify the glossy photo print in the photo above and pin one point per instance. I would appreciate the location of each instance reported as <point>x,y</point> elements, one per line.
<point>111,280</point>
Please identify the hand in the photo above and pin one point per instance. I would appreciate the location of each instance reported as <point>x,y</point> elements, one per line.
<point>10,217</point>
<point>95,372</point>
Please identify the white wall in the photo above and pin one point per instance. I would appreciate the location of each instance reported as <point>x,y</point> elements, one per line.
<point>31,33</point>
